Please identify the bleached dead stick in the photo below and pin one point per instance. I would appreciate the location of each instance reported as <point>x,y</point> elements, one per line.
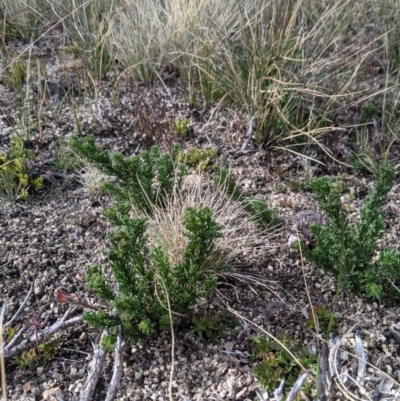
<point>117,371</point>
<point>21,307</point>
<point>324,376</point>
<point>361,356</point>
<point>247,138</point>
<point>99,357</point>
<point>11,349</point>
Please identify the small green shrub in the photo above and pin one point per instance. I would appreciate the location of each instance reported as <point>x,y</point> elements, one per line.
<point>349,251</point>
<point>145,280</point>
<point>15,176</point>
<point>198,158</point>
<point>139,180</point>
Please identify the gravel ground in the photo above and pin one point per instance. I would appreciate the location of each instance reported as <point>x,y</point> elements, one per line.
<point>47,242</point>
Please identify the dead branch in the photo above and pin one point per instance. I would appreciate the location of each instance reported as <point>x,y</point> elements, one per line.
<point>11,349</point>
<point>99,357</point>
<point>117,370</point>
<point>324,377</point>
<point>21,306</point>
<point>362,357</point>
<point>247,138</point>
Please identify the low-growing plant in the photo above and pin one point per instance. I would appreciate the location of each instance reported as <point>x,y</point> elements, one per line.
<point>39,354</point>
<point>16,75</point>
<point>144,278</point>
<point>181,126</point>
<point>198,158</point>
<point>64,158</point>
<point>15,175</point>
<point>277,363</point>
<point>212,325</point>
<point>209,325</point>
<point>350,251</point>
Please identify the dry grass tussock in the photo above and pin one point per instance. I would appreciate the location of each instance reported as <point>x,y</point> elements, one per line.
<point>302,67</point>
<point>240,235</point>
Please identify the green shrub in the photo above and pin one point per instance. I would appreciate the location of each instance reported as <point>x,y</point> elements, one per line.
<point>139,180</point>
<point>349,251</point>
<point>145,280</point>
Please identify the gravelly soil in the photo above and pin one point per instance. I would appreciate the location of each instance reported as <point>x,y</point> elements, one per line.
<point>48,241</point>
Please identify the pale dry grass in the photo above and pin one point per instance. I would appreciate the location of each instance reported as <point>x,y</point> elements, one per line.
<point>240,235</point>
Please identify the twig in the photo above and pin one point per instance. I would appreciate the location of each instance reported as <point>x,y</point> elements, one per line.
<point>99,358</point>
<point>117,370</point>
<point>279,391</point>
<point>21,306</point>
<point>297,386</point>
<point>362,357</point>
<point>324,377</point>
<point>247,138</point>
<point>10,350</point>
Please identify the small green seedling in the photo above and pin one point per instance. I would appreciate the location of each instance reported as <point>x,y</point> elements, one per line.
<point>181,126</point>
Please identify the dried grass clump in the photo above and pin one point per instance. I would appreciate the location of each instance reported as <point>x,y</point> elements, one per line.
<point>240,235</point>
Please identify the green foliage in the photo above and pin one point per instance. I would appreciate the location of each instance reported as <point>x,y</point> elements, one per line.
<point>198,158</point>
<point>210,325</point>
<point>363,161</point>
<point>277,363</point>
<point>40,354</point>
<point>181,127</point>
<point>348,251</point>
<point>15,177</point>
<point>64,158</point>
<point>11,332</point>
<point>368,113</point>
<point>108,342</point>
<point>145,279</point>
<point>142,180</point>
<point>258,208</point>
